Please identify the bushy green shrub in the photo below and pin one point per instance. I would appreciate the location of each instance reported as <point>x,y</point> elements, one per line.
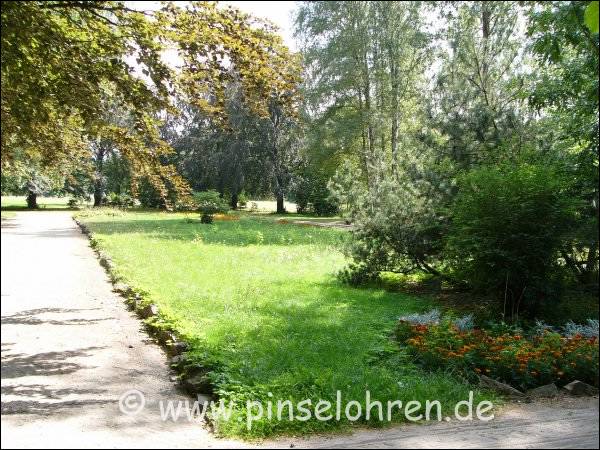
<point>508,225</point>
<point>312,195</point>
<point>119,200</point>
<point>209,203</point>
<point>242,199</point>
<point>206,218</point>
<point>74,202</point>
<point>358,274</point>
<point>398,224</point>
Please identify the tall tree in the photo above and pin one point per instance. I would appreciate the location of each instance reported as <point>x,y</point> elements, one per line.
<point>365,62</point>
<point>57,56</point>
<point>281,144</point>
<point>477,102</point>
<point>566,90</point>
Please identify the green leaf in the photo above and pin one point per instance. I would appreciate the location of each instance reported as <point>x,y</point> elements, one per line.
<point>591,17</point>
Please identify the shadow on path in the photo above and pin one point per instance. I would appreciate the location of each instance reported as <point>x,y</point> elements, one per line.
<point>29,317</point>
<point>44,364</point>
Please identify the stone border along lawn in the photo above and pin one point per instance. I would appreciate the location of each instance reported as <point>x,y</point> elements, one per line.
<point>193,377</point>
<point>136,299</point>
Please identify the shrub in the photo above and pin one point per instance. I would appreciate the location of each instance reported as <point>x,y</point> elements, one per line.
<point>312,195</point>
<point>575,305</point>
<point>465,323</point>
<point>209,203</point>
<point>150,196</point>
<point>430,318</point>
<point>507,229</point>
<point>588,330</point>
<point>119,200</point>
<point>397,224</point>
<point>242,199</point>
<point>357,274</point>
<point>521,361</point>
<point>206,218</point>
<point>75,202</point>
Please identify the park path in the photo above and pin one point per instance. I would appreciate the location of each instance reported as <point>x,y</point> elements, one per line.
<point>70,349</point>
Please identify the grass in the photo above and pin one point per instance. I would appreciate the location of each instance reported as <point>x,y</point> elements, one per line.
<point>270,205</point>
<point>260,305</point>
<point>18,202</point>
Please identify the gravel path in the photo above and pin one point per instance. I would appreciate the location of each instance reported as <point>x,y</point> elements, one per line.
<point>70,349</point>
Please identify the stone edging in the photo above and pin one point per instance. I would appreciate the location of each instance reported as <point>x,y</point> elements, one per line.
<point>191,377</point>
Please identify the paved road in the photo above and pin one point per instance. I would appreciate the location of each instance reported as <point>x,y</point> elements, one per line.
<point>70,349</point>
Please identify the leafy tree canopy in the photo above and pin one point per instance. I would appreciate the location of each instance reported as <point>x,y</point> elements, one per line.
<point>59,59</point>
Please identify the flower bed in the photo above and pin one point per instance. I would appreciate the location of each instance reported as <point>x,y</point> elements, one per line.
<point>521,361</point>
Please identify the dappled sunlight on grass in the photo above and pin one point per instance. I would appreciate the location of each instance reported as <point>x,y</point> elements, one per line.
<point>248,230</point>
<point>260,302</point>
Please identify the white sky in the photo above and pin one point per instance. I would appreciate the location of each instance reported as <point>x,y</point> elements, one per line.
<point>279,13</point>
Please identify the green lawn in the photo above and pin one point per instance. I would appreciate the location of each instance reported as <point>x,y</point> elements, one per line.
<point>260,304</point>
<point>19,202</point>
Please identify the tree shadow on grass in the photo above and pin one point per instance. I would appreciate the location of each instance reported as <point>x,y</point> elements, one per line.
<point>334,339</point>
<point>246,231</point>
<point>327,337</point>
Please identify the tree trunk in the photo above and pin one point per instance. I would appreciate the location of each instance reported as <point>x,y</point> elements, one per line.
<point>234,200</point>
<point>590,275</point>
<point>31,200</point>
<point>395,113</point>
<point>98,193</point>
<point>364,156</point>
<point>99,176</point>
<point>370,130</point>
<point>280,205</point>
<point>485,21</point>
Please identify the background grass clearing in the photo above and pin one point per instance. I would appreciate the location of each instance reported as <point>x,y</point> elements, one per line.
<point>18,202</point>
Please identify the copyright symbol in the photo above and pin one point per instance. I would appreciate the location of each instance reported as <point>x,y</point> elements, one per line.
<point>132,402</point>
